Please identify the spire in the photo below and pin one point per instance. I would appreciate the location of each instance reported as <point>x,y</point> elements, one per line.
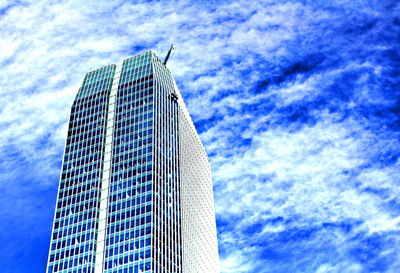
<point>169,53</point>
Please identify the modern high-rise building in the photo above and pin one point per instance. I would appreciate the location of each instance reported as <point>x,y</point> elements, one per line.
<point>135,191</point>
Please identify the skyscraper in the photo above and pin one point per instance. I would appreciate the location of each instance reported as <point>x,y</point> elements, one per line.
<point>135,191</point>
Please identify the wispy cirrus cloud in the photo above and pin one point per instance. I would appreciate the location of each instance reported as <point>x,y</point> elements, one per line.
<point>296,102</point>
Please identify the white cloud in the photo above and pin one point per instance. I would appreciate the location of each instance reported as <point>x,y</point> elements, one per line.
<point>306,170</point>
<point>236,262</point>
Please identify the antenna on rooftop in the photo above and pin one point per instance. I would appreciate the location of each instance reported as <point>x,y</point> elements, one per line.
<point>169,53</point>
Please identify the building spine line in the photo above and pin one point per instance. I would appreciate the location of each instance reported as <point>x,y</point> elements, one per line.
<point>106,174</point>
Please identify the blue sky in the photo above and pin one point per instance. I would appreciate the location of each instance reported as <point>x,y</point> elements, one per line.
<point>297,103</point>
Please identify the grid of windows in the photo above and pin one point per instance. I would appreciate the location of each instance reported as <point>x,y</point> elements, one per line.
<point>135,189</point>
<point>199,240</point>
<point>167,250</point>
<point>128,240</point>
<point>75,222</point>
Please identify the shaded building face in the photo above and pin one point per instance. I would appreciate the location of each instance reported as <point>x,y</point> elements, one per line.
<point>135,191</point>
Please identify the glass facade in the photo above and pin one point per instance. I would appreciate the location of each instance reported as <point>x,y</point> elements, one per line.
<point>129,223</point>
<point>124,184</point>
<point>75,221</point>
